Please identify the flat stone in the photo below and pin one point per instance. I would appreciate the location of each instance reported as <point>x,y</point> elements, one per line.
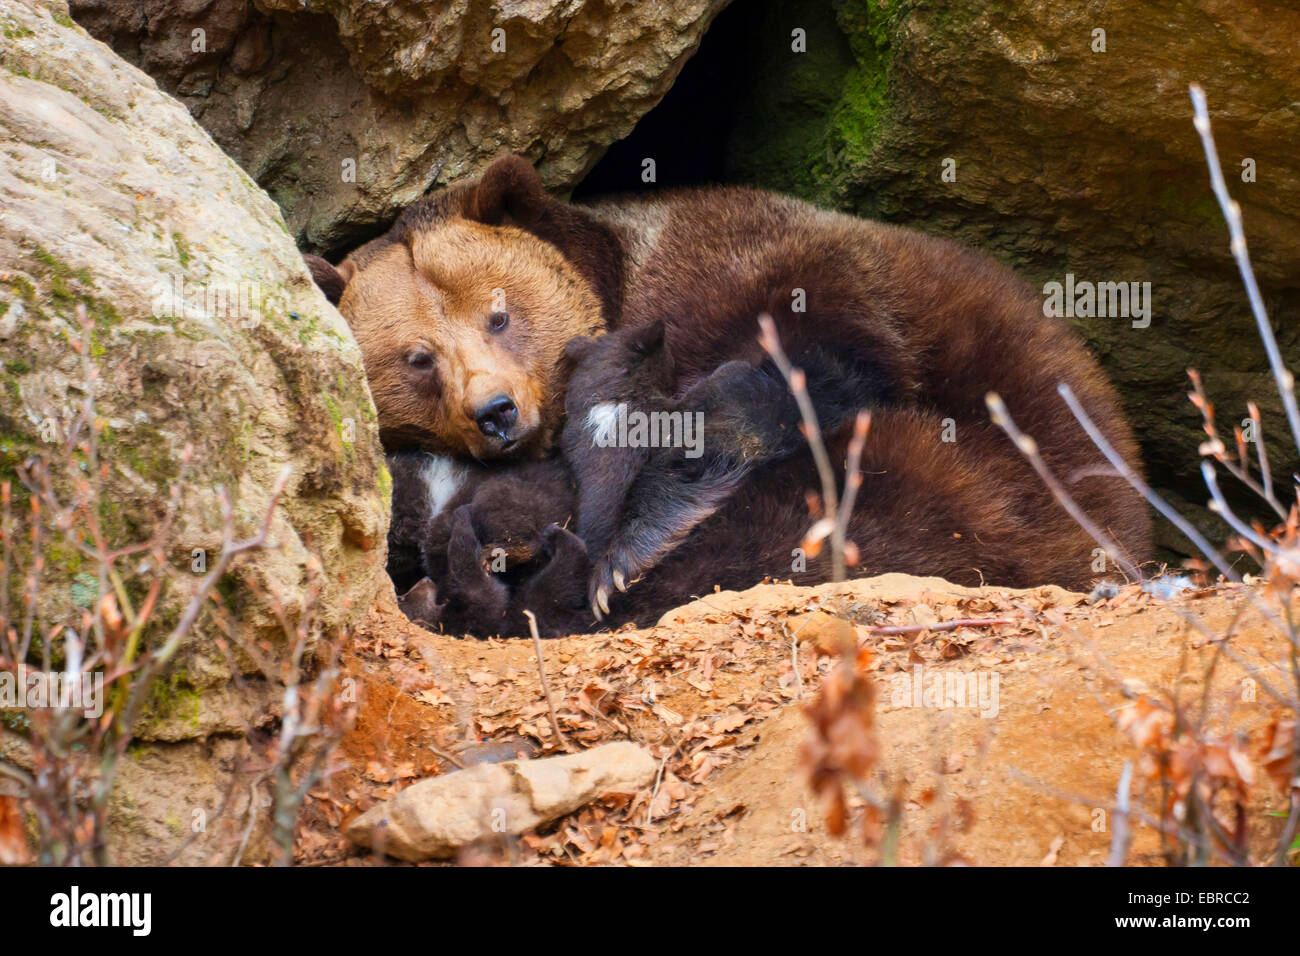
<point>433,818</point>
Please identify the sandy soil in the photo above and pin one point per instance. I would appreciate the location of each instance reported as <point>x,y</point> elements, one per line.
<point>716,691</point>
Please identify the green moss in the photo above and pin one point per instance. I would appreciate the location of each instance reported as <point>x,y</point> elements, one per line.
<point>145,450</point>
<point>26,291</point>
<point>869,27</point>
<point>15,368</point>
<point>182,249</point>
<point>63,20</point>
<point>173,697</point>
<point>229,587</point>
<point>13,454</point>
<point>780,135</point>
<point>85,590</point>
<point>61,555</point>
<point>816,113</point>
<point>337,417</point>
<point>860,113</point>
<point>68,287</point>
<point>57,276</point>
<point>1198,207</point>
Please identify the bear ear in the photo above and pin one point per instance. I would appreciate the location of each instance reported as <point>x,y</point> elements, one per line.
<point>577,348</point>
<point>649,338</point>
<point>332,281</point>
<point>509,191</point>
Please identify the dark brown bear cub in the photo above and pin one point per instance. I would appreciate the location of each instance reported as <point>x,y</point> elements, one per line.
<point>471,548</point>
<point>652,461</point>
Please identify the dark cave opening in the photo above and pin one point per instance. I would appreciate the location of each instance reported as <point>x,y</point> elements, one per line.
<point>687,134</point>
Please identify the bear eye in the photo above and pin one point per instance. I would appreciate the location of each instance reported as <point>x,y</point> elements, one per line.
<point>420,359</point>
<point>497,321</point>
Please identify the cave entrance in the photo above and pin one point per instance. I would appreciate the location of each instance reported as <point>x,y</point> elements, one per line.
<point>688,132</point>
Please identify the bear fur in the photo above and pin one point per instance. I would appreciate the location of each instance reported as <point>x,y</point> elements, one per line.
<point>470,548</point>
<point>927,326</point>
<point>916,513</point>
<point>639,500</point>
<point>469,297</point>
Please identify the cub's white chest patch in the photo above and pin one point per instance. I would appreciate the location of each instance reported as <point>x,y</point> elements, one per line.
<point>602,423</point>
<point>442,477</point>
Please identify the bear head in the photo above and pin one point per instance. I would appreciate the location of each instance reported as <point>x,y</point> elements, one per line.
<point>462,310</point>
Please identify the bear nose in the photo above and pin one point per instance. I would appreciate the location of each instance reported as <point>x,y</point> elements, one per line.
<point>497,417</point>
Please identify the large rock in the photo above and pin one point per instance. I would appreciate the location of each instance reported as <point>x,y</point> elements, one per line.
<point>1067,161</point>
<point>406,94</point>
<point>207,332</point>
<point>432,819</point>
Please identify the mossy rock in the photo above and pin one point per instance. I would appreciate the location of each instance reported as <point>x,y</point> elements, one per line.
<point>116,201</point>
<point>1068,159</point>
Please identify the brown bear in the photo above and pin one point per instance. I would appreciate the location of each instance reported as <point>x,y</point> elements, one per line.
<point>463,308</point>
<point>681,525</point>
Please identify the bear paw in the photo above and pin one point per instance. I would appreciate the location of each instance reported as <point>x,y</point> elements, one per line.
<point>420,604</point>
<point>618,570</point>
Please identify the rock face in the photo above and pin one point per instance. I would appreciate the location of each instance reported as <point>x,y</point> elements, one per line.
<point>347,110</point>
<point>433,818</point>
<point>1067,159</point>
<point>207,332</point>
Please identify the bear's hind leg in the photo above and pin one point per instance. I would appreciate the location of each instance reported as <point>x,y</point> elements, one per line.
<point>476,602</point>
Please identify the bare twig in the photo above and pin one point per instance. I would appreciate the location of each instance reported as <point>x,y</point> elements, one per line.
<point>939,625</point>
<point>798,383</point>
<point>1216,448</point>
<point>654,794</point>
<point>1232,213</point>
<point>1121,837</point>
<point>852,482</point>
<point>546,687</point>
<point>1029,448</point>
<point>1134,479</point>
<point>447,757</point>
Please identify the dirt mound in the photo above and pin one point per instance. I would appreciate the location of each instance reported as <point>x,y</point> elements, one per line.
<point>1019,768</point>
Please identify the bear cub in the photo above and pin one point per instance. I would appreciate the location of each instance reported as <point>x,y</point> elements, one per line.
<point>470,548</point>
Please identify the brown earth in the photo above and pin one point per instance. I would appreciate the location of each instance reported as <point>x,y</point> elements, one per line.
<point>715,695</point>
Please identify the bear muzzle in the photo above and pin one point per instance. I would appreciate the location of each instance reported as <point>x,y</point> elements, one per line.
<point>498,420</point>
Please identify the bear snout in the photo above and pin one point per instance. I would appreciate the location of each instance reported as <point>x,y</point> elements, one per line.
<point>497,418</point>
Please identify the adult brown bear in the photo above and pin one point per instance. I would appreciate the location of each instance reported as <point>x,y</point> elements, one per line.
<point>462,311</point>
